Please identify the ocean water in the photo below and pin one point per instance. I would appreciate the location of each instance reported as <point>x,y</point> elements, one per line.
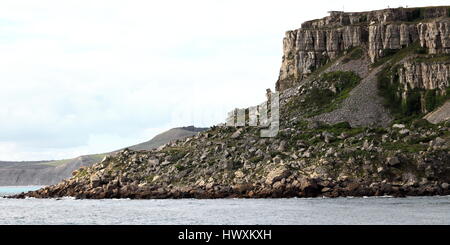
<point>9,190</point>
<point>297,211</point>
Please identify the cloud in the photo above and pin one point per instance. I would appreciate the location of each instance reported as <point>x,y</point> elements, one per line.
<point>81,77</point>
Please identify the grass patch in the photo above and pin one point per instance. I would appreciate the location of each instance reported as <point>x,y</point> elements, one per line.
<point>322,100</point>
<point>176,153</point>
<point>404,147</point>
<point>92,158</point>
<point>395,55</point>
<point>354,54</point>
<point>436,58</point>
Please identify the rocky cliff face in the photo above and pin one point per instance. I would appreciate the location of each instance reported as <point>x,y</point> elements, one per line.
<point>319,41</point>
<point>305,50</point>
<point>435,36</point>
<point>422,75</point>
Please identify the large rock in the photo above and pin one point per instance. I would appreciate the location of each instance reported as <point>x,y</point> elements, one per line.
<point>276,175</point>
<point>95,181</point>
<point>392,161</point>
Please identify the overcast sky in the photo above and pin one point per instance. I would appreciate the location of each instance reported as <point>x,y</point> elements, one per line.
<point>81,77</point>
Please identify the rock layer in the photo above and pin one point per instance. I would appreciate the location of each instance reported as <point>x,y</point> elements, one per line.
<point>424,75</point>
<point>319,41</point>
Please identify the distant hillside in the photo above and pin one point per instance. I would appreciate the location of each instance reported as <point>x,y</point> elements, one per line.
<point>51,172</point>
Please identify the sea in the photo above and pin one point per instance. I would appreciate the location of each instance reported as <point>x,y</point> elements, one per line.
<point>284,211</point>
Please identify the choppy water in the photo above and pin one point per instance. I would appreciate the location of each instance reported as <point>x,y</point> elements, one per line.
<point>374,210</point>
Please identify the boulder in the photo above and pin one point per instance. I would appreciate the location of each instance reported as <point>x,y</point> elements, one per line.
<point>95,181</point>
<point>277,175</point>
<point>398,126</point>
<point>237,133</point>
<point>392,161</point>
<point>328,137</point>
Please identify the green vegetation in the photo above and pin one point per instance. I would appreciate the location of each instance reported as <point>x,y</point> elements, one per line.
<point>92,158</point>
<point>395,55</point>
<point>363,18</point>
<point>322,68</point>
<point>326,100</point>
<point>436,58</point>
<point>338,128</point>
<point>180,167</point>
<point>412,104</point>
<point>256,159</point>
<point>82,172</point>
<point>415,100</point>
<point>404,147</point>
<point>353,54</point>
<point>421,50</point>
<point>422,123</point>
<point>176,153</point>
<point>341,79</point>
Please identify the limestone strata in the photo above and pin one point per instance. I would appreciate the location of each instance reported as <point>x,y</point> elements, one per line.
<point>318,41</point>
<point>424,75</point>
<point>389,36</point>
<point>435,36</point>
<point>306,50</point>
<point>339,18</point>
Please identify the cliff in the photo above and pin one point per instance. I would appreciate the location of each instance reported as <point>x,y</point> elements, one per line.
<point>379,32</point>
<point>353,89</point>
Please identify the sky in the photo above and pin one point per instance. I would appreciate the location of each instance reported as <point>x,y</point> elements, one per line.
<point>82,77</point>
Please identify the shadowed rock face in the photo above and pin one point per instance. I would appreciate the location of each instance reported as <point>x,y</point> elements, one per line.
<point>423,75</point>
<point>52,172</point>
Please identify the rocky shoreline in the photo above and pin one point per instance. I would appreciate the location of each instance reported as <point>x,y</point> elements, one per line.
<point>307,188</point>
<point>222,162</point>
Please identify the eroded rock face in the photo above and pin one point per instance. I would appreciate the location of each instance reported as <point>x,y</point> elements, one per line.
<point>424,75</point>
<point>435,36</point>
<point>306,50</point>
<point>384,36</point>
<point>319,41</point>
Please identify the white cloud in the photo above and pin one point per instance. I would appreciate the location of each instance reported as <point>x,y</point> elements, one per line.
<point>81,77</point>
